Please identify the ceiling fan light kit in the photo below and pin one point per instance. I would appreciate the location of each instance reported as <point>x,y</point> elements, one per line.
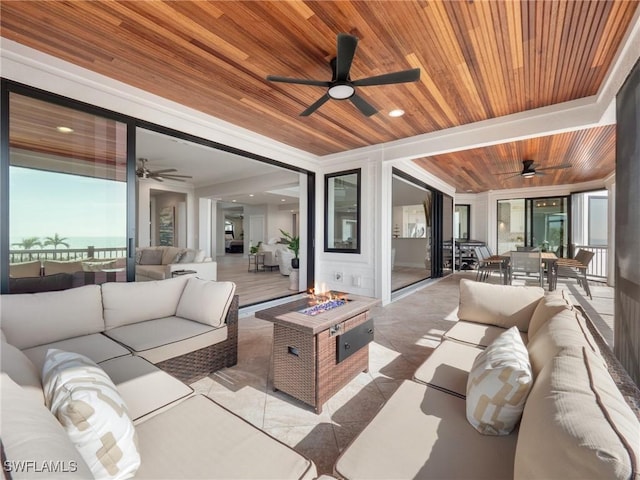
<point>341,87</point>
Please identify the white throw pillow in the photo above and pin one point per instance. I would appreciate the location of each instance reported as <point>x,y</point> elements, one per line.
<point>87,404</point>
<point>498,385</point>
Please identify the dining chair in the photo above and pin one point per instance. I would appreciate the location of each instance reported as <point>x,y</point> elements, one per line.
<point>485,267</point>
<point>575,268</point>
<point>526,263</point>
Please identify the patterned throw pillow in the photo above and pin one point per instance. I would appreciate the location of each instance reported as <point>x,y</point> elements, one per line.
<point>498,385</point>
<point>87,404</point>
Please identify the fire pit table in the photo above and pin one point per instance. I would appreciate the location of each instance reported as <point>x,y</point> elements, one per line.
<point>319,347</point>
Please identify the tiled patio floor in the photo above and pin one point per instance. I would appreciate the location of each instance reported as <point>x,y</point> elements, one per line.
<point>407,331</point>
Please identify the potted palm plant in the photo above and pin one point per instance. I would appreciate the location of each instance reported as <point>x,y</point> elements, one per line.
<point>294,246</point>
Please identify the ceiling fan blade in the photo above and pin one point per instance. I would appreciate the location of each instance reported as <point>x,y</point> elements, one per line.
<point>321,101</point>
<point>512,176</point>
<point>164,170</point>
<point>557,167</point>
<point>390,78</point>
<point>346,49</point>
<point>365,107</point>
<point>174,177</point>
<point>300,81</point>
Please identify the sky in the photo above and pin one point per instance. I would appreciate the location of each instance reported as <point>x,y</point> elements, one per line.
<point>45,203</point>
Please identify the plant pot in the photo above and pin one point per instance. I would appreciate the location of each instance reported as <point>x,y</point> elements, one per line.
<point>295,263</point>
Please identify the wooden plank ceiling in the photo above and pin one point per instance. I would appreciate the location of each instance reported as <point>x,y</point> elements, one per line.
<point>478,60</point>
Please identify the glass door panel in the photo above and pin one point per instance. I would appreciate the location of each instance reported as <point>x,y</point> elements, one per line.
<point>511,225</point>
<point>548,224</point>
<point>67,197</point>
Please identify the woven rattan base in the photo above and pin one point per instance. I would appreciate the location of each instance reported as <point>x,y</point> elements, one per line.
<point>305,365</point>
<point>194,365</point>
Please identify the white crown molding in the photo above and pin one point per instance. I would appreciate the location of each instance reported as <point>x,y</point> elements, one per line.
<point>31,67</point>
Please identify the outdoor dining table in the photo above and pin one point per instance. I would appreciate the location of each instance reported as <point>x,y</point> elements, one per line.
<point>548,258</point>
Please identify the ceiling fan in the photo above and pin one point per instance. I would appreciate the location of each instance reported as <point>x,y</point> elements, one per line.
<point>159,175</point>
<point>530,170</point>
<point>341,87</point>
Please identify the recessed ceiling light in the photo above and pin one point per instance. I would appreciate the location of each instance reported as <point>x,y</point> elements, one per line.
<point>283,200</point>
<point>251,194</point>
<point>233,201</point>
<point>62,129</point>
<point>396,113</point>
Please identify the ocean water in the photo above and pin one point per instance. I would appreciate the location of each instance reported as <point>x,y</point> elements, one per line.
<point>82,242</point>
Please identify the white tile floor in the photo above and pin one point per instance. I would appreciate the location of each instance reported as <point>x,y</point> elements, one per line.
<point>407,331</point>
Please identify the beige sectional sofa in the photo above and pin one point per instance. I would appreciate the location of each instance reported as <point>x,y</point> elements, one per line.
<point>575,423</point>
<point>129,330</point>
<point>159,263</point>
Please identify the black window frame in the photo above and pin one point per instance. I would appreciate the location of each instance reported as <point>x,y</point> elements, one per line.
<point>327,178</point>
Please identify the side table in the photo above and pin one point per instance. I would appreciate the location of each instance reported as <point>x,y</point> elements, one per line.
<point>256,262</point>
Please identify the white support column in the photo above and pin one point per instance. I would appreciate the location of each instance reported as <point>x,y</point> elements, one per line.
<point>205,224</point>
<point>610,183</point>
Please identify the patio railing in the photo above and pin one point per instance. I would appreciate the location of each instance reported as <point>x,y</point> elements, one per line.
<point>67,254</point>
<point>598,267</point>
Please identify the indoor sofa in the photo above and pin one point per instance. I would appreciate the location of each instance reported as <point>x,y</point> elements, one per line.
<point>159,263</point>
<point>186,326</point>
<point>575,423</point>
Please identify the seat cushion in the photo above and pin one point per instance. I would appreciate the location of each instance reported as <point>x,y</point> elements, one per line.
<point>576,424</point>
<point>97,347</point>
<point>51,267</point>
<point>25,269</point>
<point>165,338</point>
<point>32,319</point>
<point>143,386</point>
<point>501,305</point>
<point>448,367</point>
<point>154,272</point>
<point>420,433</point>
<point>223,446</point>
<point>30,433</point>
<point>132,302</point>
<point>477,334</point>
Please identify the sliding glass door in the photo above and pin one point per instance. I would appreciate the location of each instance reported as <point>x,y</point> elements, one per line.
<point>548,224</point>
<point>67,185</point>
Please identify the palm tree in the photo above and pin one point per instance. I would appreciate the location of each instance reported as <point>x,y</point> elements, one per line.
<point>55,241</point>
<point>28,243</point>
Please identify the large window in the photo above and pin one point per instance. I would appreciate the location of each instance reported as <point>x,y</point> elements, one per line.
<point>534,223</point>
<point>67,196</point>
<point>342,212</point>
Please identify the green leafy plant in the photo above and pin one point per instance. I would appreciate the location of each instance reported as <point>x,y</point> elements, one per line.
<point>293,242</point>
<point>254,249</point>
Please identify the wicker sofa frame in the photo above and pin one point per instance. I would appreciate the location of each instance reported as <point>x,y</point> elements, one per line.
<point>195,365</point>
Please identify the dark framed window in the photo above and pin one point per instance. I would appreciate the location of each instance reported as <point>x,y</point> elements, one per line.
<point>342,212</point>
<point>462,219</point>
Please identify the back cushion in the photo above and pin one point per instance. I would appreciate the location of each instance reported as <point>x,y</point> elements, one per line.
<point>30,433</point>
<point>21,370</point>
<point>565,329</point>
<point>502,305</point>
<point>205,301</point>
<point>133,302</point>
<point>52,267</point>
<point>25,269</point>
<point>576,423</point>
<point>169,255</point>
<point>32,319</point>
<point>547,307</point>
<point>150,256</point>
